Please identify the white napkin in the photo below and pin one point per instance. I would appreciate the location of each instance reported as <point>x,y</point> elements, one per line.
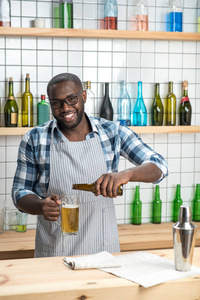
<point>94,261</point>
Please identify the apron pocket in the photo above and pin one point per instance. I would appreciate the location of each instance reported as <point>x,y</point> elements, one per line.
<point>110,230</point>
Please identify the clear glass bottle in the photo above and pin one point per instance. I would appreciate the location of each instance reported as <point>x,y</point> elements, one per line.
<point>175,16</point>
<point>177,202</point>
<point>42,111</point>
<point>185,109</point>
<point>106,110</point>
<point>137,207</point>
<point>139,111</point>
<point>139,19</point>
<point>157,108</point>
<point>196,204</point>
<point>5,13</point>
<point>110,14</point>
<point>124,106</point>
<point>157,207</point>
<point>66,14</point>
<point>90,101</point>
<point>27,105</point>
<point>11,108</point>
<point>171,107</point>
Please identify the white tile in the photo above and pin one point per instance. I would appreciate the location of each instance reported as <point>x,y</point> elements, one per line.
<point>32,72</point>
<point>147,60</point>
<point>189,75</point>
<point>173,178</point>
<point>10,169</point>
<point>175,46</point>
<point>133,74</point>
<point>104,59</point>
<point>28,8</point>
<point>175,60</point>
<point>44,58</point>
<point>28,43</point>
<point>61,44</point>
<point>172,153</point>
<point>26,54</point>
<point>90,44</point>
<point>44,73</point>
<point>2,186</point>
<point>119,45</point>
<point>15,8</point>
<point>9,183</point>
<point>119,210</point>
<point>13,43</point>
<point>15,21</point>
<point>15,72</point>
<point>161,46</point>
<point>189,61</point>
<point>11,153</point>
<point>44,43</point>
<point>188,138</point>
<point>2,170</point>
<point>133,45</point>
<point>161,75</point>
<point>13,57</point>
<point>147,75</point>
<point>187,165</point>
<point>44,10</point>
<point>187,179</point>
<point>160,138</point>
<point>60,58</point>
<point>2,57</point>
<point>13,140</point>
<point>161,60</point>
<point>174,165</point>
<point>119,59</point>
<point>161,149</point>
<point>189,47</point>
<point>89,72</point>
<point>197,165</point>
<point>147,46</point>
<point>175,75</point>
<point>187,150</point>
<point>75,58</point>
<point>89,59</point>
<point>104,45</point>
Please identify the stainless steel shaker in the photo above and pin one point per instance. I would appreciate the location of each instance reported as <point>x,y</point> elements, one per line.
<point>184,234</point>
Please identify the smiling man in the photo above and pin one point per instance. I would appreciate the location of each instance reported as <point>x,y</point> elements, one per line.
<point>74,148</point>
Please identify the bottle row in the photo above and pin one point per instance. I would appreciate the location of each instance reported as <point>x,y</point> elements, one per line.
<point>138,15</point>
<point>156,213</point>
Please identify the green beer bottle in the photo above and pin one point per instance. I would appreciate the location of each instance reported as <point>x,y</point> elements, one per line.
<point>177,203</point>
<point>157,207</point>
<point>137,207</point>
<point>196,205</point>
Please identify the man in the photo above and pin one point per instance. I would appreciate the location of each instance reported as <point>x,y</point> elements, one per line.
<point>75,148</point>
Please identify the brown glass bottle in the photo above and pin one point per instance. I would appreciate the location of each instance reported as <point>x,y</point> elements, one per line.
<point>185,109</point>
<point>92,188</point>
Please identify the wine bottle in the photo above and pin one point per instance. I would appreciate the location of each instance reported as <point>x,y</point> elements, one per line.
<point>137,207</point>
<point>196,205</point>
<point>106,110</point>
<point>11,108</point>
<point>177,202</point>
<point>27,105</point>
<point>124,106</point>
<point>139,19</point>
<point>175,16</point>
<point>110,14</point>
<point>157,207</point>
<point>157,108</point>
<point>185,109</point>
<point>42,111</point>
<point>139,111</point>
<point>171,107</point>
<point>89,105</point>
<point>92,188</point>
<point>66,14</point>
<point>5,16</point>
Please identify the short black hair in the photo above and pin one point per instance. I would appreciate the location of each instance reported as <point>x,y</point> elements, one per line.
<point>64,77</point>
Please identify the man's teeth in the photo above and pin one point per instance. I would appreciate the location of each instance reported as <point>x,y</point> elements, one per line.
<point>69,116</point>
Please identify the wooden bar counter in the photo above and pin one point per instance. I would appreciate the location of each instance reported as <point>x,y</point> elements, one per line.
<point>49,278</point>
<point>143,237</point>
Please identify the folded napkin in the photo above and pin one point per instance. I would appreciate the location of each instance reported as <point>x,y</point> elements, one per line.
<point>94,261</point>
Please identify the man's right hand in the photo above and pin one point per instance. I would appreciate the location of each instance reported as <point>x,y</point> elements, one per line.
<point>50,208</point>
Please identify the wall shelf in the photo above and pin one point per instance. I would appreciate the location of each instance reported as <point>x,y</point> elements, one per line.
<point>98,33</point>
<point>139,130</point>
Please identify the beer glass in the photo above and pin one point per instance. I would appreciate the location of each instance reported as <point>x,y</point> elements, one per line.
<point>69,214</point>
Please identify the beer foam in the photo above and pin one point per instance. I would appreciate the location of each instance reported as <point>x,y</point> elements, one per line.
<point>70,206</point>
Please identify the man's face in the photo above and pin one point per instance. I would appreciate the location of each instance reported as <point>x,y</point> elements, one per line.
<point>67,116</point>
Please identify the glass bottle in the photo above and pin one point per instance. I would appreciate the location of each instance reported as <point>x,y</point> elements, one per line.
<point>196,204</point>
<point>11,108</point>
<point>171,107</point>
<point>42,111</point>
<point>198,17</point>
<point>66,13</point>
<point>124,106</point>
<point>137,207</point>
<point>139,111</point>
<point>106,110</point>
<point>56,14</point>
<point>157,108</point>
<point>157,207</point>
<point>89,105</point>
<point>177,202</point>
<point>110,14</point>
<point>92,188</point>
<point>139,20</point>
<point>176,16</point>
<point>185,109</point>
<point>5,15</point>
<point>27,105</point>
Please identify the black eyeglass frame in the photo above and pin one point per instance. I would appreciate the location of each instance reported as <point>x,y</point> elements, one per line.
<point>61,102</point>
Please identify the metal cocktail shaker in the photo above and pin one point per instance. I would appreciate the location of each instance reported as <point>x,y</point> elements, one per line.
<point>184,234</point>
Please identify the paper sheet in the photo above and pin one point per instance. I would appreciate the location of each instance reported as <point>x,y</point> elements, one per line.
<point>148,269</point>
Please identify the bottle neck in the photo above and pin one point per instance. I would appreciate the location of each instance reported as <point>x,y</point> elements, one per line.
<point>185,92</point>
<point>139,96</point>
<point>106,90</point>
<point>170,87</point>
<point>11,92</point>
<point>137,193</point>
<point>157,89</point>
<point>198,191</point>
<point>157,194</point>
<point>27,85</point>
<point>178,191</point>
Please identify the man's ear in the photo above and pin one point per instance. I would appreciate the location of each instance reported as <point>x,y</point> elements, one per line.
<point>84,96</point>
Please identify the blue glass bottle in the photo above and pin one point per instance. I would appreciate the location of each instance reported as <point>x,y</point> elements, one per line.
<point>139,111</point>
<point>175,16</point>
<point>124,106</point>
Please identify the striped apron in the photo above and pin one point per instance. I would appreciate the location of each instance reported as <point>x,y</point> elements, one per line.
<point>78,162</point>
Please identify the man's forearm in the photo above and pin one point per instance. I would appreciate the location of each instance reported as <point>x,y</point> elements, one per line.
<point>30,204</point>
<point>147,172</point>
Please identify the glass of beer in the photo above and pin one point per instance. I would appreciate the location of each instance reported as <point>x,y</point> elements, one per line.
<point>69,214</point>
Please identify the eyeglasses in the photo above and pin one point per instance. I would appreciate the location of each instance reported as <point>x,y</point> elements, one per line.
<point>71,100</point>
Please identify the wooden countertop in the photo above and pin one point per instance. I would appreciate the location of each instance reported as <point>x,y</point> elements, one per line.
<point>48,278</point>
<point>132,237</point>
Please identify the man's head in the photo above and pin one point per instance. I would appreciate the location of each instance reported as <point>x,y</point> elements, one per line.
<point>67,99</point>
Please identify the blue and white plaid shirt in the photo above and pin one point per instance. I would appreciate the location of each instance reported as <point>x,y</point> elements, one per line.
<point>33,169</point>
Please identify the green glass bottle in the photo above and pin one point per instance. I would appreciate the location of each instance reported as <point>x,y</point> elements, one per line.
<point>66,13</point>
<point>157,108</point>
<point>137,207</point>
<point>11,108</point>
<point>157,207</point>
<point>177,202</point>
<point>27,105</point>
<point>42,111</point>
<point>171,107</point>
<point>196,205</point>
<point>185,109</point>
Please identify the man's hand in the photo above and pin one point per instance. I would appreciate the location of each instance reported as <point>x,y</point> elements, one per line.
<point>50,208</point>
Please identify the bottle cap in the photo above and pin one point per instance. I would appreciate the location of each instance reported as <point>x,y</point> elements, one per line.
<point>185,84</point>
<point>27,75</point>
<point>10,78</point>
<point>42,97</point>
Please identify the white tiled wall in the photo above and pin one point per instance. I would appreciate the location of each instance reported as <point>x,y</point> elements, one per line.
<point>103,60</point>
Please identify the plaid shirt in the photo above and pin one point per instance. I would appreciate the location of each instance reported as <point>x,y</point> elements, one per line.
<point>33,169</point>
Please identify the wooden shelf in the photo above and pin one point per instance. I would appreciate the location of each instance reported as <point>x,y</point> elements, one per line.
<point>98,33</point>
<point>137,129</point>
